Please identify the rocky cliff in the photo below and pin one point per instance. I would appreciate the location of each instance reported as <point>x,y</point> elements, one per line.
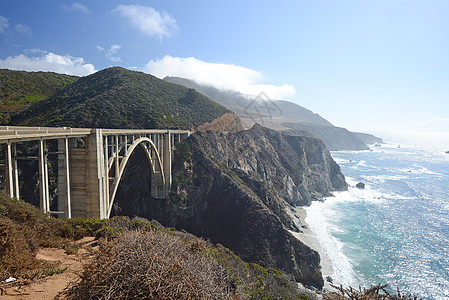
<point>227,122</point>
<point>236,189</point>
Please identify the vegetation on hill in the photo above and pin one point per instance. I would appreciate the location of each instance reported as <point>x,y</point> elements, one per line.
<point>120,98</point>
<point>137,259</point>
<point>23,229</point>
<point>20,89</point>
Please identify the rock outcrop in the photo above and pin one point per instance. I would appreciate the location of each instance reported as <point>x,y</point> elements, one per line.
<point>360,185</point>
<point>225,122</point>
<point>236,189</point>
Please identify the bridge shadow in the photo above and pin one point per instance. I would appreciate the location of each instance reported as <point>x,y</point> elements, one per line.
<point>133,198</point>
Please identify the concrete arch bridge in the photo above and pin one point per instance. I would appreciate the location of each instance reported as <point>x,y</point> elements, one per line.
<point>91,163</point>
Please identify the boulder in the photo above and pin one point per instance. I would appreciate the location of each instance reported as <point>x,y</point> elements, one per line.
<point>360,185</point>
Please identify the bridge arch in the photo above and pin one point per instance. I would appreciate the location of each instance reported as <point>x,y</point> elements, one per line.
<point>158,180</point>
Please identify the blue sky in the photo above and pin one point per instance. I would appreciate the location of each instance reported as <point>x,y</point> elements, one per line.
<point>365,65</point>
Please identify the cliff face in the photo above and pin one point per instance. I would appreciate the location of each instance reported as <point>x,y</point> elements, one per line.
<point>236,189</point>
<point>296,169</point>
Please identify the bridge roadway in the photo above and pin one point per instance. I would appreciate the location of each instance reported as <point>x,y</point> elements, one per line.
<point>91,163</point>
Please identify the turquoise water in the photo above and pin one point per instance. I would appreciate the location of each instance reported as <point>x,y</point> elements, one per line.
<point>396,230</point>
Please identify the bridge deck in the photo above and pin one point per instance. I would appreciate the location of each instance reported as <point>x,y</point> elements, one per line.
<point>24,133</point>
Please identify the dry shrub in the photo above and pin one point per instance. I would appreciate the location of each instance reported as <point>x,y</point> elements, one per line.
<point>377,292</point>
<point>151,265</point>
<point>23,228</point>
<point>16,254</point>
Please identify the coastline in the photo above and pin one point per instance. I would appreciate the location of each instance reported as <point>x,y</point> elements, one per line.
<point>309,238</point>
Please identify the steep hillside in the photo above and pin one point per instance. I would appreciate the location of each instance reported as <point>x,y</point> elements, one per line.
<point>368,138</point>
<point>127,259</point>
<point>297,112</point>
<point>20,89</point>
<point>120,98</point>
<point>335,138</point>
<point>231,100</point>
<point>279,115</point>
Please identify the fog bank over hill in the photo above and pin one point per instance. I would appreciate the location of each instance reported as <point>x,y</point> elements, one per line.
<point>281,115</point>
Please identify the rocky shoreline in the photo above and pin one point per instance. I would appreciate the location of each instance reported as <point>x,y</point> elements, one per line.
<point>309,238</point>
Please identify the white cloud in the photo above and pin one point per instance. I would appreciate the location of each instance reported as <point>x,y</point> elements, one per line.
<point>23,29</point>
<point>111,52</point>
<point>221,76</point>
<point>48,61</point>
<point>77,7</point>
<point>436,124</point>
<point>148,20</point>
<point>4,24</point>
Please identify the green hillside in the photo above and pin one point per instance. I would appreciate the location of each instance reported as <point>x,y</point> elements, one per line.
<point>20,89</point>
<point>120,98</point>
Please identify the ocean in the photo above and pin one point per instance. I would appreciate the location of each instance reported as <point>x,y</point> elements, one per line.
<point>396,230</point>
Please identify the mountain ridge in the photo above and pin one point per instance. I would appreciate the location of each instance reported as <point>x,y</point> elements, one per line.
<point>120,98</point>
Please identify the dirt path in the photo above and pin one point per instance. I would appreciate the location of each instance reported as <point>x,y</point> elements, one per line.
<point>50,286</point>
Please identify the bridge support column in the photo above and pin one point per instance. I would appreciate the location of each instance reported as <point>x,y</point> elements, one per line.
<point>167,161</point>
<point>12,172</point>
<point>43,177</point>
<point>64,191</point>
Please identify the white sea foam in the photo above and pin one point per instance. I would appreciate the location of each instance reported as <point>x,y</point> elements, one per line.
<point>318,218</point>
<point>417,170</point>
<point>371,193</point>
<point>322,218</point>
<point>341,161</point>
<point>363,166</point>
<point>384,178</point>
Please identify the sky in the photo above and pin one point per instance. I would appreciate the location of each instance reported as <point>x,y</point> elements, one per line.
<point>364,65</point>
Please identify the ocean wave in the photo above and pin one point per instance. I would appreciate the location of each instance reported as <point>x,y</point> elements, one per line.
<point>383,178</point>
<point>362,165</point>
<point>318,216</point>
<point>418,170</point>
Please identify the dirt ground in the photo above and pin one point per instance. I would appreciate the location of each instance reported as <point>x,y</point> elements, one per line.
<point>50,286</point>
